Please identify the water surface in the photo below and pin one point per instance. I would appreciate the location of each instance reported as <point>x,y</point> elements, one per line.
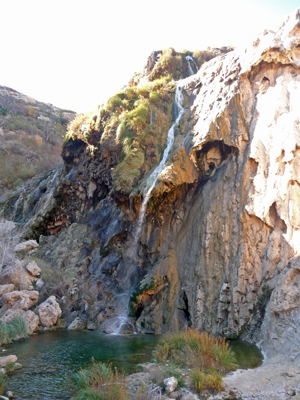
<point>49,359</point>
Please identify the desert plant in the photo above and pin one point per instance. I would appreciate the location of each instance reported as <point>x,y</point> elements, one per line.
<point>100,382</point>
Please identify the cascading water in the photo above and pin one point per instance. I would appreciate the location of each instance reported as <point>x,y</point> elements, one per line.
<point>189,59</point>
<point>122,320</point>
<point>179,103</point>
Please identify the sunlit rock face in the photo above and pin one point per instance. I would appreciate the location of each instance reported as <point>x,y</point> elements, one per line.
<point>240,236</point>
<point>220,241</point>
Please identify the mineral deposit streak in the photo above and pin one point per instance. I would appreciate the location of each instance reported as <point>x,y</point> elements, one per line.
<point>179,104</point>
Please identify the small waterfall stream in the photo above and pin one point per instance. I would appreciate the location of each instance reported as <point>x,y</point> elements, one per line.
<point>179,103</point>
<point>189,59</point>
<point>119,322</point>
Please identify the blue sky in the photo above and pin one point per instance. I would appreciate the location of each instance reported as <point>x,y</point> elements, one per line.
<point>75,54</point>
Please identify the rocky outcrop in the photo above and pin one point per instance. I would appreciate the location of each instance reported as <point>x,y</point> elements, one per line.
<point>19,275</point>
<point>26,246</point>
<point>6,289</point>
<point>23,299</point>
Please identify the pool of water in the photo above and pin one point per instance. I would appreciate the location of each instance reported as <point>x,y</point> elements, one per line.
<point>49,359</point>
<point>247,354</point>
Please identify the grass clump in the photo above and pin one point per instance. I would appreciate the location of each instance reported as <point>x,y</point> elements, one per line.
<point>100,382</point>
<point>3,383</point>
<point>202,381</point>
<point>207,356</point>
<point>15,329</point>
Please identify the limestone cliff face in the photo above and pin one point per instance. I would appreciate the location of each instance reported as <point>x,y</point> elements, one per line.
<point>219,247</point>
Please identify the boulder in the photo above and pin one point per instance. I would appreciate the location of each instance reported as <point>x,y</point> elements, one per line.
<point>6,289</point>
<point>17,275</point>
<point>49,312</point>
<point>26,246</point>
<point>6,227</point>
<point>7,359</point>
<point>77,324</point>
<point>171,384</point>
<point>33,269</point>
<point>39,284</point>
<point>31,319</point>
<point>10,314</point>
<point>23,299</point>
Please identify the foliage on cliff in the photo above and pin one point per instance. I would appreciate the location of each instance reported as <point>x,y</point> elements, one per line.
<point>131,130</point>
<point>31,136</point>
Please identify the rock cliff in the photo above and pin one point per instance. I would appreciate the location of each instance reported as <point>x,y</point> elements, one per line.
<point>219,246</point>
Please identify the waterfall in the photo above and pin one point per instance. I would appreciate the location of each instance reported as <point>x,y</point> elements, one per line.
<point>179,104</point>
<point>121,320</point>
<point>189,59</point>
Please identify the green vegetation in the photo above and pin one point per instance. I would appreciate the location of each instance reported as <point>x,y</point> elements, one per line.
<point>2,383</point>
<point>207,356</point>
<point>148,283</point>
<point>12,330</point>
<point>100,382</point>
<point>132,128</point>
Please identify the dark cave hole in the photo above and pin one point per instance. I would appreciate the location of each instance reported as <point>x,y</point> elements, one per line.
<point>185,308</point>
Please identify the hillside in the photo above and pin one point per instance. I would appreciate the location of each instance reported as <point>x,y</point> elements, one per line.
<point>31,137</point>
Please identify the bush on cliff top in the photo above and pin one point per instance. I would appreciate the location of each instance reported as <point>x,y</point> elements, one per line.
<point>131,128</point>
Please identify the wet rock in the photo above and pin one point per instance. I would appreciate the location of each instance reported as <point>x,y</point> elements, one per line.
<point>26,246</point>
<point>7,359</point>
<point>49,312</point>
<point>91,326</point>
<point>77,324</point>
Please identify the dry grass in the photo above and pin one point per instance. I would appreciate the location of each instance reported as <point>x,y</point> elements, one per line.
<point>203,381</point>
<point>208,356</point>
<point>22,156</point>
<point>80,127</point>
<point>100,382</point>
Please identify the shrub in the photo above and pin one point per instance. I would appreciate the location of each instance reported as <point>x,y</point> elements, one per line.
<point>209,357</point>
<point>2,383</point>
<point>203,381</point>
<point>15,329</point>
<point>100,382</point>
<point>4,111</point>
